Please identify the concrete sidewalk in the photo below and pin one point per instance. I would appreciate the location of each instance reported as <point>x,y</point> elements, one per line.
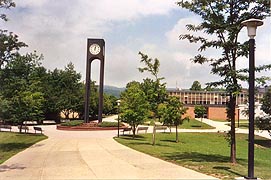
<point>222,126</point>
<point>88,155</point>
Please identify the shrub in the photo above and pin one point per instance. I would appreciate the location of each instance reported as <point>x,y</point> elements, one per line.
<point>109,124</point>
<point>73,123</point>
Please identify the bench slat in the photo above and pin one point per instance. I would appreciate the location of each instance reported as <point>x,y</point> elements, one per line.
<point>37,129</point>
<point>3,126</point>
<point>142,128</point>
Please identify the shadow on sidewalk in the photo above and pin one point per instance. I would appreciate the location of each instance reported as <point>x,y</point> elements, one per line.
<point>4,168</point>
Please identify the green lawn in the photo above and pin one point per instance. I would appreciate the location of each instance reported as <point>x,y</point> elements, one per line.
<point>236,120</point>
<point>194,124</point>
<point>12,143</point>
<point>243,125</point>
<point>191,124</point>
<point>205,152</point>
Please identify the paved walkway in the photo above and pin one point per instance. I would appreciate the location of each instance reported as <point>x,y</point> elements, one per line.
<point>222,126</point>
<point>88,155</point>
<point>95,155</point>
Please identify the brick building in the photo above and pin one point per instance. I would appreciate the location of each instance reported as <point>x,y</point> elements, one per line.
<point>214,101</point>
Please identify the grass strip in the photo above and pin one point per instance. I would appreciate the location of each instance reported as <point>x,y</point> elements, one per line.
<point>205,152</point>
<point>12,143</point>
<point>195,124</point>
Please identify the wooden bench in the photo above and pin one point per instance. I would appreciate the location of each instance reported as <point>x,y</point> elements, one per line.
<point>25,128</point>
<point>127,129</point>
<point>37,129</point>
<point>142,128</point>
<point>161,128</point>
<point>2,126</point>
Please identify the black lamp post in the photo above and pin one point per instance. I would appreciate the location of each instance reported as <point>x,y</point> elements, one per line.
<point>251,25</point>
<point>118,103</point>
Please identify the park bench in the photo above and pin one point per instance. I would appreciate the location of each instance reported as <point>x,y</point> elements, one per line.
<point>37,129</point>
<point>126,129</point>
<point>161,128</point>
<point>2,126</point>
<point>142,129</point>
<point>25,128</point>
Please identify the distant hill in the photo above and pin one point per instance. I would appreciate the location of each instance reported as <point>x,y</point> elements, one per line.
<point>112,90</point>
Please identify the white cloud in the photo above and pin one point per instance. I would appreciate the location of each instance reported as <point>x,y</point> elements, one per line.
<point>59,30</point>
<point>183,51</point>
<point>184,72</point>
<point>121,66</point>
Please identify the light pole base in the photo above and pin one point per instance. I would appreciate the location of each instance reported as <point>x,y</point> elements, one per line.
<point>247,178</point>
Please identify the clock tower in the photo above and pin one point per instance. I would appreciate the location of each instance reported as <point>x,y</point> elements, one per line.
<point>95,50</point>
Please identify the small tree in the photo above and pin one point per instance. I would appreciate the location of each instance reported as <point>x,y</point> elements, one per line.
<point>153,88</point>
<point>134,105</point>
<point>264,123</point>
<point>172,112</point>
<point>266,102</point>
<point>200,111</point>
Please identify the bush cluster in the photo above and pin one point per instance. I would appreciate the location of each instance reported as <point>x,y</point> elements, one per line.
<point>109,124</point>
<point>73,123</point>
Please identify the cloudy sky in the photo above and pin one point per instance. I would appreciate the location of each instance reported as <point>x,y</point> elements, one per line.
<point>59,30</point>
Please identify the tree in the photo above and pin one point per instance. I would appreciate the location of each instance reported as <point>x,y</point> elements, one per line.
<point>6,4</point>
<point>69,95</point>
<point>200,111</point>
<point>153,88</point>
<point>266,102</point>
<point>196,86</point>
<point>264,123</point>
<point>222,20</point>
<point>22,97</point>
<point>172,112</point>
<point>110,104</point>
<point>9,43</point>
<point>134,105</point>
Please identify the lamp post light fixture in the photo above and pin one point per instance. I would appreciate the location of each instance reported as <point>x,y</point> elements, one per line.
<point>251,25</point>
<point>118,103</point>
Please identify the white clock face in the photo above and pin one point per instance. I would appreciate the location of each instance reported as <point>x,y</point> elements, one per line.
<point>94,49</point>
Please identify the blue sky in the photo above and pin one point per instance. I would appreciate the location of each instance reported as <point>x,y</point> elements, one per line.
<point>59,30</point>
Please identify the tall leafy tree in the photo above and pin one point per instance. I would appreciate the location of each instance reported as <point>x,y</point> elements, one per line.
<point>69,85</point>
<point>196,86</point>
<point>222,20</point>
<point>134,105</point>
<point>62,91</point>
<point>22,96</point>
